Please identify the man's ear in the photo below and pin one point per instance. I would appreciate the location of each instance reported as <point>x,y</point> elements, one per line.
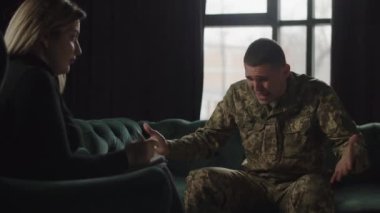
<point>286,70</point>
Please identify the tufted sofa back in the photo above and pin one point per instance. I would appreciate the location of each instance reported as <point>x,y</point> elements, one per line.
<point>108,135</point>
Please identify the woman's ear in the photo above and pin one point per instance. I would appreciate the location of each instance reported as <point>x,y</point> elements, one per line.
<point>41,48</point>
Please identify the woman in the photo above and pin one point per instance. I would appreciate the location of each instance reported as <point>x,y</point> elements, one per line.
<point>37,136</point>
<point>42,43</point>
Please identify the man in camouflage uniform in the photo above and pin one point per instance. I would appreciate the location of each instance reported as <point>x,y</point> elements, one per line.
<point>284,120</point>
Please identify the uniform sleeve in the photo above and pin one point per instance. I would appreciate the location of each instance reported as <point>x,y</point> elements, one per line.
<point>205,141</point>
<point>338,127</point>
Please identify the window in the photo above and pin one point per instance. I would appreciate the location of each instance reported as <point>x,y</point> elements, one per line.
<point>302,27</point>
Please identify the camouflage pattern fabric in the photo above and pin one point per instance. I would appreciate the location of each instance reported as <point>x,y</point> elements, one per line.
<point>286,139</point>
<point>280,142</point>
<point>226,191</point>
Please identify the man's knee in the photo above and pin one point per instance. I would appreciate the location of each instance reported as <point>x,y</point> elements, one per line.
<point>215,189</point>
<point>212,178</point>
<point>202,192</point>
<point>202,176</point>
<point>312,187</point>
<point>201,180</point>
<point>312,193</point>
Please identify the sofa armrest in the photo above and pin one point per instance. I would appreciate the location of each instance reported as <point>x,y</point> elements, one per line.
<point>145,190</point>
<point>371,133</point>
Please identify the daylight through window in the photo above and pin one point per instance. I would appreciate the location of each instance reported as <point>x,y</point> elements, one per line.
<point>302,27</point>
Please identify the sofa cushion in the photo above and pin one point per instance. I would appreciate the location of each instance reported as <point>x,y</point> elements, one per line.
<point>358,198</point>
<point>180,184</point>
<point>371,133</point>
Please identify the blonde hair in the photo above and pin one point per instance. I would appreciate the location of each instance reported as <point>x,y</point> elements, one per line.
<point>37,18</point>
<point>62,78</point>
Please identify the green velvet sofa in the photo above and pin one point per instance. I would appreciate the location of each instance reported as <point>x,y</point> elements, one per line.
<point>357,193</point>
<point>102,194</point>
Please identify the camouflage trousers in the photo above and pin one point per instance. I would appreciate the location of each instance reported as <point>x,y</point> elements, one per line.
<point>221,190</point>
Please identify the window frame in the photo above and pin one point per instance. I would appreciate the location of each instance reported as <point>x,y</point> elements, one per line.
<point>271,18</point>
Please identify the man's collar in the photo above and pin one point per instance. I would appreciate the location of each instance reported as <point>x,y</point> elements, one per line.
<point>290,100</point>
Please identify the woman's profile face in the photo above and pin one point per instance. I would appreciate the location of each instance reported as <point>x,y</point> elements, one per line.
<point>63,49</point>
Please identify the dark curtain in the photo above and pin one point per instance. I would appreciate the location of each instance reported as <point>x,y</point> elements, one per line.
<point>7,8</point>
<point>141,59</point>
<point>355,57</point>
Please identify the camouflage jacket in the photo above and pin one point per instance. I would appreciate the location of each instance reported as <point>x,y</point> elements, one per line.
<point>290,138</point>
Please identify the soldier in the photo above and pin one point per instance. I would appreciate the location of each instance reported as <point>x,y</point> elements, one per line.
<point>284,120</point>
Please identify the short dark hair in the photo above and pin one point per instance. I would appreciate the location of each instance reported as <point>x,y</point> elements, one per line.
<point>264,51</point>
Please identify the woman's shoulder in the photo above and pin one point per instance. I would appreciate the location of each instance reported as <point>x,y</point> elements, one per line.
<point>29,68</point>
<point>24,75</point>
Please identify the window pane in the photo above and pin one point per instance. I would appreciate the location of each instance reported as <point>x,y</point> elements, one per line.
<point>293,9</point>
<point>322,52</point>
<point>322,8</point>
<point>293,41</point>
<point>235,6</point>
<point>224,49</point>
